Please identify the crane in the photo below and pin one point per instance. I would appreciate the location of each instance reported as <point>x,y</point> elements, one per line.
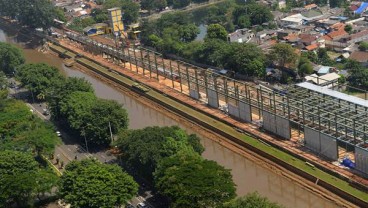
<point>127,42</point>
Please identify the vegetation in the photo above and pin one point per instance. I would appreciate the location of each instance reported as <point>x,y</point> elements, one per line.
<point>363,46</point>
<point>251,200</point>
<point>190,181</point>
<point>144,148</point>
<point>282,55</point>
<point>79,24</point>
<point>89,183</point>
<point>22,179</point>
<point>358,75</point>
<point>11,57</point>
<point>34,13</point>
<point>22,131</point>
<point>38,78</point>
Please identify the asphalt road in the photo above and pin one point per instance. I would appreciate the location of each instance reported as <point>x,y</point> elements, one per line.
<point>70,150</point>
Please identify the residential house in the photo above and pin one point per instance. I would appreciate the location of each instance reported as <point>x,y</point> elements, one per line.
<point>295,19</point>
<point>360,56</point>
<point>327,80</point>
<point>241,36</point>
<point>322,70</point>
<point>310,6</point>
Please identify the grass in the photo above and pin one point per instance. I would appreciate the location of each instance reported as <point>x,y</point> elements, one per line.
<point>300,164</point>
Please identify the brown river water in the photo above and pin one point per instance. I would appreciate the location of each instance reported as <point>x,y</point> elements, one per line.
<point>247,175</point>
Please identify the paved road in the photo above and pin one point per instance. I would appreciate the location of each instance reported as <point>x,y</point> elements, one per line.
<point>70,150</point>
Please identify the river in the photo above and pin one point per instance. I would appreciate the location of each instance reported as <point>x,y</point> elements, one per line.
<point>247,175</point>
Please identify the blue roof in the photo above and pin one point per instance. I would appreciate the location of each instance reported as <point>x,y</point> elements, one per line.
<point>362,8</point>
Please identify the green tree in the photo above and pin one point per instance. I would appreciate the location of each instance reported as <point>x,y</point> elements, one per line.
<point>131,11</point>
<point>259,14</point>
<point>305,66</point>
<point>363,46</point>
<point>38,78</point>
<point>247,59</point>
<point>348,28</point>
<point>190,181</point>
<point>216,31</point>
<point>59,14</point>
<point>358,75</point>
<point>11,57</point>
<point>251,200</point>
<point>180,3</point>
<point>60,90</point>
<point>37,13</point>
<point>89,183</point>
<point>214,52</point>
<point>76,107</point>
<point>188,32</point>
<point>18,171</point>
<point>144,148</point>
<point>99,15</point>
<point>282,55</point>
<point>323,57</point>
<point>103,115</point>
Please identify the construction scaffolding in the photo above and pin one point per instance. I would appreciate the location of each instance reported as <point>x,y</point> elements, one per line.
<point>329,120</point>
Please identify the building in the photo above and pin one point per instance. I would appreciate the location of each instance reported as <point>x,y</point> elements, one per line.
<point>116,21</point>
<point>96,29</point>
<point>295,19</point>
<point>328,80</point>
<point>241,36</point>
<point>360,56</point>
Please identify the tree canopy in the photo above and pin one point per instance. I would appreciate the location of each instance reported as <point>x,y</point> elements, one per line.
<point>20,130</point>
<point>190,181</point>
<point>38,78</point>
<point>33,13</point>
<point>11,57</point>
<point>283,54</point>
<point>144,148</point>
<point>216,31</point>
<point>358,75</point>
<point>251,200</point>
<point>21,179</point>
<point>93,117</point>
<point>363,46</point>
<point>89,183</point>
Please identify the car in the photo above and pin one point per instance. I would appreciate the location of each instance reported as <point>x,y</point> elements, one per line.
<point>58,133</point>
<point>142,205</point>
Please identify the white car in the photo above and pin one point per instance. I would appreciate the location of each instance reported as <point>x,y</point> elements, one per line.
<point>142,205</point>
<point>58,133</point>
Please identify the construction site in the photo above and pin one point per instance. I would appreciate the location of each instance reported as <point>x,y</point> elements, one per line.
<point>318,123</point>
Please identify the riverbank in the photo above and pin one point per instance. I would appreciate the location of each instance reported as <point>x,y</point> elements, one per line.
<point>231,133</point>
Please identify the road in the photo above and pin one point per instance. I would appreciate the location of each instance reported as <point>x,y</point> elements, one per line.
<point>70,150</point>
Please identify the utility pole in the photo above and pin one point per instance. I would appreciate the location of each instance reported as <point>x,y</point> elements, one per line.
<point>85,139</point>
<point>112,138</point>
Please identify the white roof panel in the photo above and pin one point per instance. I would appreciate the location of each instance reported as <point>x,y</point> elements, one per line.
<point>333,93</point>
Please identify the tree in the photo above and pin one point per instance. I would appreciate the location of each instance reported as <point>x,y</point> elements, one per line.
<point>144,148</point>
<point>180,3</point>
<point>18,171</point>
<point>363,46</point>
<point>348,28</point>
<point>188,32</point>
<point>259,14</point>
<point>38,78</point>
<point>305,66</point>
<point>59,14</point>
<point>358,75</point>
<point>60,90</point>
<point>76,107</point>
<point>190,181</point>
<point>89,183</point>
<point>104,114</point>
<point>131,11</point>
<point>251,200</point>
<point>214,52</point>
<point>283,55</point>
<point>216,31</point>
<point>37,13</point>
<point>11,57</point>
<point>247,59</point>
<point>153,4</point>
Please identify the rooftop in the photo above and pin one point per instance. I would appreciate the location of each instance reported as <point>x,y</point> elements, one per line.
<point>360,56</point>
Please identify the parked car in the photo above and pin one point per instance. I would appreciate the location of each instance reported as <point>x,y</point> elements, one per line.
<point>142,205</point>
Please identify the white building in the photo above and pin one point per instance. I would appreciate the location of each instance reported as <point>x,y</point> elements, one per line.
<point>295,19</point>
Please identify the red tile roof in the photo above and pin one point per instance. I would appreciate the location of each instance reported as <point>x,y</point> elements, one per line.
<point>337,33</point>
<point>353,7</point>
<point>310,6</point>
<point>312,47</point>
